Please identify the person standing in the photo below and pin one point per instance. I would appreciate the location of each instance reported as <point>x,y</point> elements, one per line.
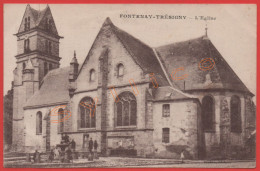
<point>182,156</point>
<point>51,156</point>
<point>73,145</point>
<point>95,145</point>
<point>95,149</point>
<point>62,138</point>
<point>68,155</point>
<point>66,138</point>
<point>90,145</point>
<point>36,157</point>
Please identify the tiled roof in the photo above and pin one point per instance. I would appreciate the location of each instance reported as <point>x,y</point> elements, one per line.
<point>39,19</point>
<point>188,55</point>
<point>38,15</point>
<point>168,93</point>
<point>142,54</point>
<point>54,89</point>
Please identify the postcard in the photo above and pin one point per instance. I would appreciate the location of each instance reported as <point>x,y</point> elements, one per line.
<point>130,85</point>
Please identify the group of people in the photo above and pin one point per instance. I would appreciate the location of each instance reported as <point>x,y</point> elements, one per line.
<point>92,144</point>
<point>66,149</point>
<point>62,155</point>
<point>65,139</point>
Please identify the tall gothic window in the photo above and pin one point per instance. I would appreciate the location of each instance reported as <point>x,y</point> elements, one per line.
<point>39,122</point>
<point>166,110</point>
<point>45,68</point>
<point>92,75</point>
<point>61,119</point>
<point>120,70</point>
<point>87,113</point>
<point>27,24</point>
<point>235,112</point>
<point>208,114</point>
<point>126,110</point>
<point>166,135</point>
<point>49,50</point>
<point>48,24</point>
<point>48,46</point>
<point>26,45</point>
<point>24,65</point>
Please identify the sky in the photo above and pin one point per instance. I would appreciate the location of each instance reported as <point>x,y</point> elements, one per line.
<point>233,32</point>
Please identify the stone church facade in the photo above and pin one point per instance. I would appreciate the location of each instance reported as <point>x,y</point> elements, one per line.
<point>131,98</point>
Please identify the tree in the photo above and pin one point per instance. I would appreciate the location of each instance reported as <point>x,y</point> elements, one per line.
<point>8,117</point>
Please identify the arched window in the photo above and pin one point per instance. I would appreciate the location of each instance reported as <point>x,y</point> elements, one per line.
<point>46,46</point>
<point>126,110</point>
<point>120,70</point>
<point>208,114</point>
<point>235,114</point>
<point>61,119</point>
<point>92,75</point>
<point>45,68</point>
<point>28,24</point>
<point>26,45</point>
<point>25,24</point>
<point>87,113</point>
<point>39,122</point>
<point>49,50</point>
<point>48,24</point>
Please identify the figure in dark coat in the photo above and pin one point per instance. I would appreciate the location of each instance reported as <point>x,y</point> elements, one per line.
<point>36,157</point>
<point>68,155</point>
<point>51,156</point>
<point>66,138</point>
<point>62,138</point>
<point>90,145</point>
<point>95,145</point>
<point>73,145</point>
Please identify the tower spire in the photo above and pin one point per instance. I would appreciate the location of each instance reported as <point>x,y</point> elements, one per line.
<point>74,59</point>
<point>74,68</point>
<point>206,30</point>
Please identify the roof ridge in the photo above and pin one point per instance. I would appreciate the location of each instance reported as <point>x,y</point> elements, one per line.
<point>163,68</point>
<point>132,37</point>
<point>227,65</point>
<point>183,41</point>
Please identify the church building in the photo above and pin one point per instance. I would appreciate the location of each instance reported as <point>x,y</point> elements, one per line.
<point>131,98</point>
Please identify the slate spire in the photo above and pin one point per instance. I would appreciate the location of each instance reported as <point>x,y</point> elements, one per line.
<point>74,66</point>
<point>107,22</point>
<point>206,30</point>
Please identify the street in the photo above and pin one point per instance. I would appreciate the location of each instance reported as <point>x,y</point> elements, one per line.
<point>119,162</point>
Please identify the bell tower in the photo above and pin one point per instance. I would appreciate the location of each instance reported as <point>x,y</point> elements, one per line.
<point>37,53</point>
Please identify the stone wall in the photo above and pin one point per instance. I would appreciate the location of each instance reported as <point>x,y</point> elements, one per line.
<point>223,143</point>
<point>183,125</point>
<point>116,53</point>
